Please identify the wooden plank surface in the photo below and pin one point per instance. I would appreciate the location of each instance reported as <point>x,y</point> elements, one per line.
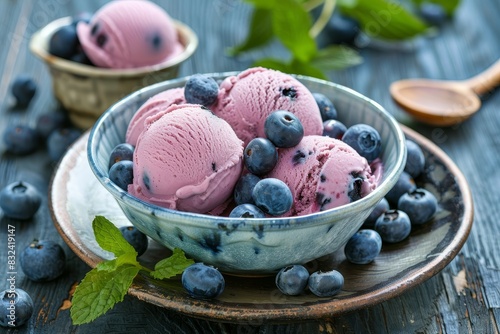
<point>463,298</point>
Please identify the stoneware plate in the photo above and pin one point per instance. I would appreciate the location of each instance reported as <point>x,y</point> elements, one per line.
<point>76,197</point>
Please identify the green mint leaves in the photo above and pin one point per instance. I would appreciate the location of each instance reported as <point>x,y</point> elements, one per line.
<point>108,283</point>
<point>290,22</point>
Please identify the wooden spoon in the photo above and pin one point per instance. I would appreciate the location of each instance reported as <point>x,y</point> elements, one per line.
<point>444,103</point>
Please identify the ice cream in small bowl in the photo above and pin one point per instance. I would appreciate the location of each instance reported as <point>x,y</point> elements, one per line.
<point>120,54</point>
<point>243,245</point>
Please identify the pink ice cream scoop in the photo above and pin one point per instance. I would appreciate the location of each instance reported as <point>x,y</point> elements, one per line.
<point>187,159</point>
<point>151,107</point>
<point>324,173</point>
<point>129,34</point>
<point>245,101</point>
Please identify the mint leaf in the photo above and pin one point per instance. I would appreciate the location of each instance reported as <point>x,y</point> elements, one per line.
<point>171,266</point>
<point>99,291</point>
<point>109,237</point>
<point>260,32</point>
<point>293,67</point>
<point>448,5</point>
<point>291,24</point>
<point>336,57</point>
<point>383,19</point>
<point>110,265</point>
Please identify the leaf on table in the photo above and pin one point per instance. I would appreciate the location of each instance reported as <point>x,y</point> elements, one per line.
<point>126,258</point>
<point>109,237</point>
<point>383,19</point>
<point>99,291</point>
<point>171,266</point>
<point>293,67</point>
<point>291,24</point>
<point>449,5</point>
<point>336,57</point>
<point>260,33</point>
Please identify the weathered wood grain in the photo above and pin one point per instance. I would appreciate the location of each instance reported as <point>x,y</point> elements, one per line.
<point>463,298</point>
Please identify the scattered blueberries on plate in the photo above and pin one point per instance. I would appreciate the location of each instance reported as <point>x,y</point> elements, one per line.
<point>272,196</point>
<point>292,280</point>
<point>326,107</point>
<point>342,29</point>
<point>365,140</point>
<point>43,260</point>
<point>64,42</point>
<point>50,121</point>
<point>23,88</point>
<point>283,128</point>
<point>420,205</point>
<point>243,189</point>
<point>201,89</point>
<point>326,284</point>
<point>136,238</point>
<point>20,200</point>
<point>415,159</point>
<point>334,129</point>
<point>363,247</point>
<point>202,281</point>
<point>20,139</point>
<point>405,183</point>
<point>381,207</point>
<point>432,13</point>
<point>122,173</point>
<point>247,211</point>
<point>123,151</point>
<point>260,156</point>
<point>393,226</point>
<point>60,140</point>
<point>16,307</point>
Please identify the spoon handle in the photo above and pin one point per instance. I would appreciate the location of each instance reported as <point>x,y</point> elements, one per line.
<point>486,80</point>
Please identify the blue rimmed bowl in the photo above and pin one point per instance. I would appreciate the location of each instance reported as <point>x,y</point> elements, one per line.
<point>250,246</point>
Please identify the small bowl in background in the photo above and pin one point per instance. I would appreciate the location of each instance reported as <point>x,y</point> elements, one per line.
<point>87,91</point>
<point>243,246</point>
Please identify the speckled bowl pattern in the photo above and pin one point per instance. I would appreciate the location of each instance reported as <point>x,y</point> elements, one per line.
<point>250,246</point>
<point>87,91</point>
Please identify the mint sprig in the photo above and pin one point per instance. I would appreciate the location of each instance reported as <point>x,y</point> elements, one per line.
<point>108,283</point>
<point>290,22</point>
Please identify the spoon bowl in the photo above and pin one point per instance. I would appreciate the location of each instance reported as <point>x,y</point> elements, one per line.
<point>444,103</point>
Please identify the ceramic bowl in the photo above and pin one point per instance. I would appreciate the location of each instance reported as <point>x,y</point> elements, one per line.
<point>87,91</point>
<point>251,246</point>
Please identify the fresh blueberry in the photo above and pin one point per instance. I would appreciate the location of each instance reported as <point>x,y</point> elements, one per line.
<point>60,140</point>
<point>432,13</point>
<point>122,173</point>
<point>379,209</point>
<point>341,29</point>
<point>363,247</point>
<point>136,238</point>
<point>201,89</point>
<point>64,42</point>
<point>283,128</point>
<point>50,121</point>
<point>43,260</point>
<point>272,196</point>
<point>202,281</point>
<point>16,307</point>
<point>243,189</point>
<point>292,280</point>
<point>20,139</point>
<point>247,211</point>
<point>326,284</point>
<point>20,200</point>
<point>23,89</point>
<point>393,226</point>
<point>326,107</point>
<point>123,151</point>
<point>415,159</point>
<point>81,58</point>
<point>260,156</point>
<point>405,183</point>
<point>334,129</point>
<point>420,205</point>
<point>365,140</point>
